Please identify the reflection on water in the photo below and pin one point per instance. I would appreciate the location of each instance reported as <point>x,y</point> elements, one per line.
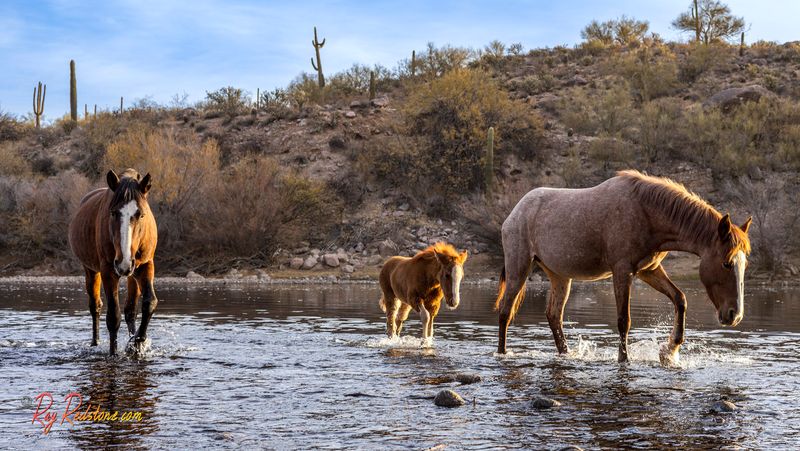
<point>299,367</point>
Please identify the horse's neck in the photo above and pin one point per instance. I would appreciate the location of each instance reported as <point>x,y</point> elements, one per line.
<point>671,236</point>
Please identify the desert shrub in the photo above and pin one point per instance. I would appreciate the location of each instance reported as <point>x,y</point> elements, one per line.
<point>11,162</point>
<point>437,61</point>
<point>182,167</point>
<point>42,210</point>
<point>453,114</point>
<point>543,81</point>
<point>701,58</point>
<point>355,80</point>
<point>92,139</point>
<point>658,122</point>
<point>252,209</point>
<point>622,31</point>
<point>11,128</point>
<point>651,72</point>
<point>227,101</point>
<point>589,113</point>
<point>610,150</point>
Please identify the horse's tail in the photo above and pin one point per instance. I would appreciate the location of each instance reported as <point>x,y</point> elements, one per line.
<point>382,304</point>
<point>501,290</point>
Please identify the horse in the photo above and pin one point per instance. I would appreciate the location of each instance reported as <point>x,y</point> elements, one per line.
<point>420,282</point>
<point>622,228</point>
<point>114,234</point>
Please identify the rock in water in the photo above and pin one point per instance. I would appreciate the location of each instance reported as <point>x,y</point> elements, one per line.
<point>194,275</point>
<point>544,403</point>
<point>448,398</point>
<point>723,407</point>
<point>466,379</point>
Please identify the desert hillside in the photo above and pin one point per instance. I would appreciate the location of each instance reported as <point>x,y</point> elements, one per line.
<point>327,180</point>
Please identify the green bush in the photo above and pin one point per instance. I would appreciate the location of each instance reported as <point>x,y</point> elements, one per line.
<point>701,58</point>
<point>589,113</point>
<point>453,114</point>
<point>227,101</point>
<point>651,71</point>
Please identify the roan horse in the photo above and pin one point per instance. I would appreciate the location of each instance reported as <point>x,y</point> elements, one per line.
<point>114,235</point>
<point>420,282</point>
<point>622,228</point>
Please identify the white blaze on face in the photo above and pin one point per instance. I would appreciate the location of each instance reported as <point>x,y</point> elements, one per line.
<point>739,264</point>
<point>125,234</point>
<point>458,273</point>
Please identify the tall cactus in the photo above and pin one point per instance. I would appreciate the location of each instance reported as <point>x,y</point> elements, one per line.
<point>488,167</point>
<point>413,63</point>
<point>318,67</point>
<point>121,109</point>
<point>696,17</point>
<point>741,46</point>
<point>38,102</point>
<point>85,112</point>
<point>371,85</point>
<point>73,92</point>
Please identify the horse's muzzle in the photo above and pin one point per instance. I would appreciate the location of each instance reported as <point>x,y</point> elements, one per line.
<point>124,272</point>
<point>729,318</point>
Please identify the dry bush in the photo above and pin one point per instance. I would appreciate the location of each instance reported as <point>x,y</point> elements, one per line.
<point>252,209</point>
<point>541,82</point>
<point>227,101</point>
<point>658,122</point>
<point>651,71</point>
<point>485,215</point>
<point>452,114</point>
<point>701,58</point>
<point>589,113</point>
<point>610,151</point>
<point>11,162</point>
<point>183,170</point>
<point>11,128</point>
<point>40,212</point>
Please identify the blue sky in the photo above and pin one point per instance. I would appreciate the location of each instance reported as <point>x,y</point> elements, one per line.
<point>140,48</point>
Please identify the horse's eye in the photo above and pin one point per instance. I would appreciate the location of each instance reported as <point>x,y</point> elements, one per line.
<point>728,265</point>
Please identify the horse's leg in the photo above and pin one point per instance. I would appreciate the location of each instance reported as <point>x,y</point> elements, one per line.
<point>556,300</point>
<point>392,305</point>
<point>130,304</point>
<point>95,302</point>
<point>425,317</point>
<point>402,315</point>
<point>113,316</point>
<point>517,273</point>
<point>659,280</point>
<point>622,293</point>
<point>144,276</point>
<point>433,311</point>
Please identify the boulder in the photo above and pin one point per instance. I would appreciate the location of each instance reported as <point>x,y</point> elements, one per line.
<point>541,402</point>
<point>723,407</point>
<point>448,398</point>
<point>194,275</point>
<point>331,260</point>
<point>296,263</point>
<point>387,248</point>
<point>730,98</point>
<point>350,114</point>
<point>309,262</point>
<point>374,260</point>
<point>348,269</point>
<point>380,102</point>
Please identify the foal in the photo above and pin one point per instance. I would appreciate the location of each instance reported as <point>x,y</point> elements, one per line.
<point>420,282</point>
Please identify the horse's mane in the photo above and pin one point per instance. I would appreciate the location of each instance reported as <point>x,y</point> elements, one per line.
<point>696,219</point>
<point>128,188</point>
<point>440,248</point>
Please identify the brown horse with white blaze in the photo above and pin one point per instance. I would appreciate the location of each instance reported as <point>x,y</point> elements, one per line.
<point>420,282</point>
<point>622,228</point>
<point>114,235</point>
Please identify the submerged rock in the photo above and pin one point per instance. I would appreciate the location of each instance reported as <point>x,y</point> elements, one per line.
<point>541,402</point>
<point>723,407</point>
<point>466,378</point>
<point>448,398</point>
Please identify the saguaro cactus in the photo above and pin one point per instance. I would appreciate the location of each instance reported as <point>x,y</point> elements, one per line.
<point>85,112</point>
<point>741,46</point>
<point>413,63</point>
<point>696,17</point>
<point>73,92</point>
<point>318,67</point>
<point>38,101</point>
<point>488,167</point>
<point>121,109</point>
<point>258,98</point>
<point>95,112</point>
<point>371,85</point>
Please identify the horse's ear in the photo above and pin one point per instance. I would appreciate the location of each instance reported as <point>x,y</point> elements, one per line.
<point>724,227</point>
<point>112,180</point>
<point>144,185</point>
<point>440,258</point>
<point>746,226</point>
<point>462,257</point>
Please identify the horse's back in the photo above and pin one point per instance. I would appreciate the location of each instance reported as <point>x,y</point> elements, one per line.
<point>567,228</point>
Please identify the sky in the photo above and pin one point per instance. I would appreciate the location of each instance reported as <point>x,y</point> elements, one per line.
<point>157,49</point>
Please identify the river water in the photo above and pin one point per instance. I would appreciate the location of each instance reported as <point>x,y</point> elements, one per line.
<point>288,367</point>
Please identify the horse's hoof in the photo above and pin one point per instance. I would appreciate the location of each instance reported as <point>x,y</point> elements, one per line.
<point>668,356</point>
<point>137,345</point>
